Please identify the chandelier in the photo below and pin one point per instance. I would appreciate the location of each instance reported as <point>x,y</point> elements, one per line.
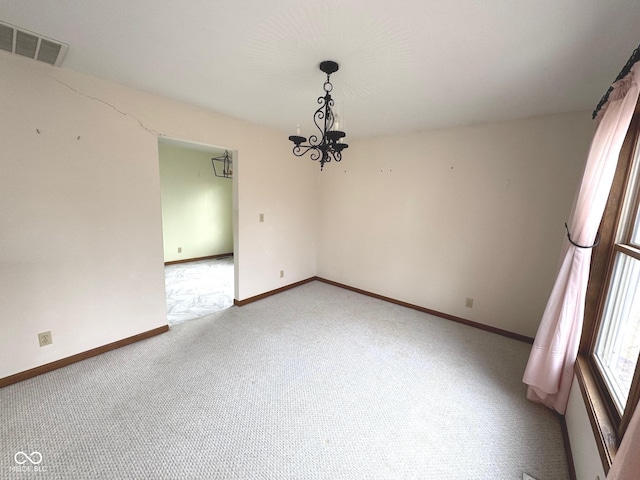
<point>329,146</point>
<point>225,165</point>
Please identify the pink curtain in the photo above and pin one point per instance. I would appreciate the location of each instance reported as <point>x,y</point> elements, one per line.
<point>549,372</point>
<point>626,464</point>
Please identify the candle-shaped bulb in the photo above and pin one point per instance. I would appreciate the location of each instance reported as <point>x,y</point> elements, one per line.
<point>298,130</point>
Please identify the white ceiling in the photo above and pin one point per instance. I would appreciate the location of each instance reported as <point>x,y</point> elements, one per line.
<point>405,65</point>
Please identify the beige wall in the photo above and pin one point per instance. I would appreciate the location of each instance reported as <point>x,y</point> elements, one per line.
<point>80,217</point>
<point>433,218</point>
<point>429,218</point>
<point>196,205</point>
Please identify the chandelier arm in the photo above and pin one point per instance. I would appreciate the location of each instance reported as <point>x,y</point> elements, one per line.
<point>318,117</point>
<point>301,150</point>
<point>314,142</point>
<point>333,155</point>
<point>323,117</point>
<point>329,117</point>
<point>316,154</point>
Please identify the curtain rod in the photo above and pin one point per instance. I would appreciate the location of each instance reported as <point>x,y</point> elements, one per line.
<point>635,57</point>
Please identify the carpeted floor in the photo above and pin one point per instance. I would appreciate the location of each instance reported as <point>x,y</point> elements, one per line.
<point>314,383</point>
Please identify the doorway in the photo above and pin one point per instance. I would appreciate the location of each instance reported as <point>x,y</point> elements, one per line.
<point>198,229</point>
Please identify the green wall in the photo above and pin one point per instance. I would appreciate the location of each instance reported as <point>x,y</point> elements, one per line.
<point>196,205</point>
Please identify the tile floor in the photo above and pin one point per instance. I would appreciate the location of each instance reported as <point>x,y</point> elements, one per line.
<point>198,288</point>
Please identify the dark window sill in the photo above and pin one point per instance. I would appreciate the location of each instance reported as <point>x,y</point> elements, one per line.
<point>603,428</point>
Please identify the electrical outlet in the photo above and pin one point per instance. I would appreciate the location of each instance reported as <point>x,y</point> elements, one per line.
<point>281,273</point>
<point>262,217</point>
<point>469,303</point>
<point>45,339</point>
<point>179,249</point>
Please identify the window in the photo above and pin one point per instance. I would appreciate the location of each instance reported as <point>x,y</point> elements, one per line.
<point>611,335</point>
<point>618,340</point>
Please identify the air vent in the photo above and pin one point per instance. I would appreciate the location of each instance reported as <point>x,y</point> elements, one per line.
<point>28,44</point>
